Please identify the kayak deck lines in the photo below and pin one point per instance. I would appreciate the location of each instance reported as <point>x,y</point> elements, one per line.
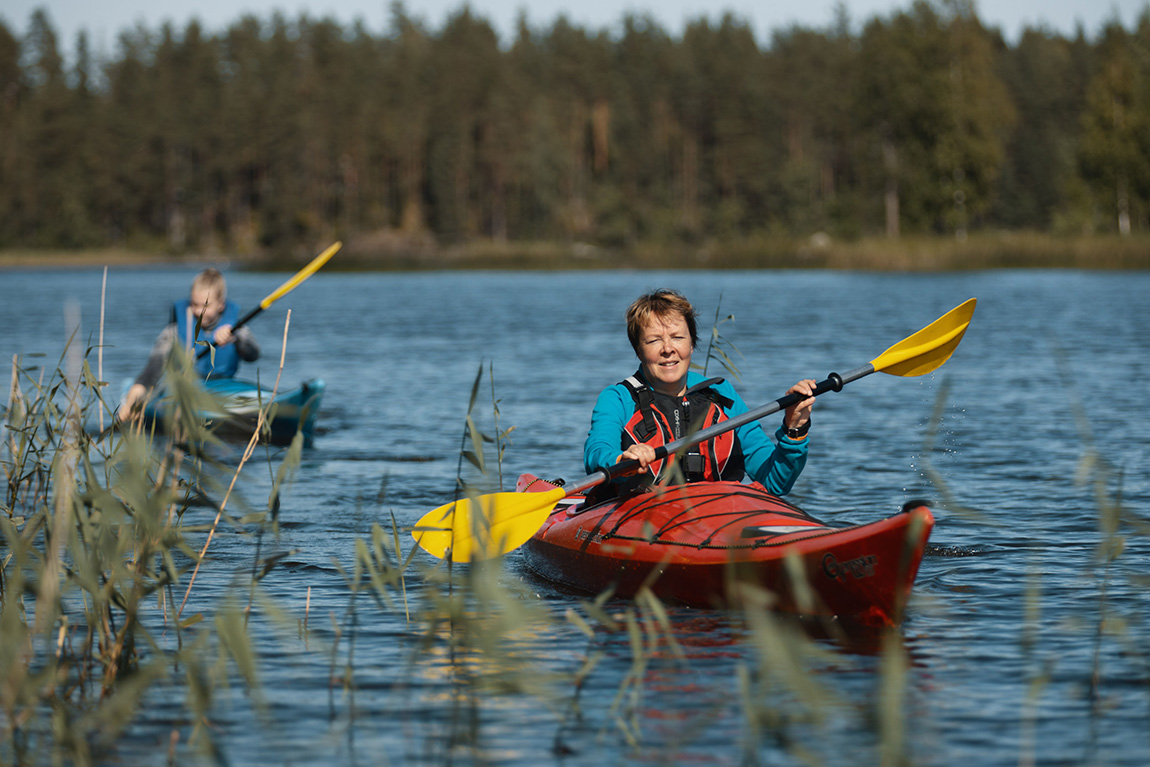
<point>773,540</point>
<point>692,544</point>
<point>690,514</point>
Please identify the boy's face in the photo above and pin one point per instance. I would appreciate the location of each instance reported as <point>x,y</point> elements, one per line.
<point>206,305</point>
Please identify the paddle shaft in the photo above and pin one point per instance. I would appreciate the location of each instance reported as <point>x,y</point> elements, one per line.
<point>833,382</point>
<point>284,289</point>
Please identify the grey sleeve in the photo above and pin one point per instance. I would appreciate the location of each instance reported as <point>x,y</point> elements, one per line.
<point>246,345</point>
<point>154,367</point>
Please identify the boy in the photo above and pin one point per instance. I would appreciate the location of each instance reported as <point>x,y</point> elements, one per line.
<point>207,302</point>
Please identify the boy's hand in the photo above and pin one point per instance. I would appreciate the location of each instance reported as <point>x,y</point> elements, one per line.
<point>223,335</point>
<point>133,398</point>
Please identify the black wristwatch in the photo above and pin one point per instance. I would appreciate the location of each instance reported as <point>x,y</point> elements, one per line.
<point>799,432</point>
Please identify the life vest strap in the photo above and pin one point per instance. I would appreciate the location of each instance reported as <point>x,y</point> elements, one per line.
<point>700,461</point>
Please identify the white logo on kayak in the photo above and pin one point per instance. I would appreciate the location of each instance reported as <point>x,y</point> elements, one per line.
<point>583,535</point>
<point>862,567</point>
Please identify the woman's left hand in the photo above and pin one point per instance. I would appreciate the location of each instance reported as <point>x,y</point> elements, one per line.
<point>798,414</point>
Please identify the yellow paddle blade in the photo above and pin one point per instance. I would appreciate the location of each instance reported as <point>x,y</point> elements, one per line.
<point>301,275</point>
<point>484,527</point>
<point>927,349</point>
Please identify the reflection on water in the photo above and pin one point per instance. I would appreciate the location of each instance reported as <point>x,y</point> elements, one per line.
<point>1019,643</point>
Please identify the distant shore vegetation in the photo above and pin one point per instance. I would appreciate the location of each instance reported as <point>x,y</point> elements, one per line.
<point>1015,250</point>
<point>921,139</point>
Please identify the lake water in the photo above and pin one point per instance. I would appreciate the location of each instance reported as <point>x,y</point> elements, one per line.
<point>1023,647</point>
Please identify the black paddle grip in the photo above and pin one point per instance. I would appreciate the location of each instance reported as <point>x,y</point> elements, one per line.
<point>624,467</point>
<point>833,382</point>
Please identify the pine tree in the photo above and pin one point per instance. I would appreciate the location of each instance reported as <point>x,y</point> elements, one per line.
<point>1112,159</point>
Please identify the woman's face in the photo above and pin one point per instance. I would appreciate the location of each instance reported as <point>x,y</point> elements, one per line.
<point>665,353</point>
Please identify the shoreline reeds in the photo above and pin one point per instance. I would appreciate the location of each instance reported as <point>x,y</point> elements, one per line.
<point>979,251</point>
<point>92,542</point>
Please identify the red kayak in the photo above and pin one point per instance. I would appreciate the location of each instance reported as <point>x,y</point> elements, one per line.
<point>690,542</point>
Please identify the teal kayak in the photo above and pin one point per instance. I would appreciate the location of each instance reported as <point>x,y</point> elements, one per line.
<point>239,403</point>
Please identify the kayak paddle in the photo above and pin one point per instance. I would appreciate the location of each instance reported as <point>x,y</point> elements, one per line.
<point>495,524</point>
<point>284,289</point>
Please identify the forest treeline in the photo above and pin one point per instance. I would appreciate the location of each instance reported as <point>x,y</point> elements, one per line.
<point>276,134</point>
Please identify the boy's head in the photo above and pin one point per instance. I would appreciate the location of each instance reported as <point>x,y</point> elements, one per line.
<point>209,291</point>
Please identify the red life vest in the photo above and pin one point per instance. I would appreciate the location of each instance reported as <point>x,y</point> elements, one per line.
<point>718,458</point>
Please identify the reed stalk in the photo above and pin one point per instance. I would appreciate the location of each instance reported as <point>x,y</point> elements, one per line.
<point>247,454</point>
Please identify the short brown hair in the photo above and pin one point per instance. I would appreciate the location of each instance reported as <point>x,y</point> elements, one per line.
<point>661,303</point>
<point>212,280</point>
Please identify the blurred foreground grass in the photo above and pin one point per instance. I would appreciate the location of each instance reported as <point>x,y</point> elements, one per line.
<point>96,563</point>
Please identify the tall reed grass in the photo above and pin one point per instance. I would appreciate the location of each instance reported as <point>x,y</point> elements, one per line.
<point>95,555</point>
<point>98,558</point>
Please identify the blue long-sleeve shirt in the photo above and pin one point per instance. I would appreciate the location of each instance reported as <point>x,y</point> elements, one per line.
<point>775,465</point>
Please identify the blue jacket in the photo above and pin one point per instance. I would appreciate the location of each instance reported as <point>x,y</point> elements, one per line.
<point>775,466</point>
<point>227,358</point>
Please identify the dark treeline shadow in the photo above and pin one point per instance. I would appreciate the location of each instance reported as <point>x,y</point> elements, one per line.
<point>570,146</point>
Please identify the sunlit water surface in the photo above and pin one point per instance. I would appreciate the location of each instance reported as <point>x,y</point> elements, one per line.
<point>989,682</point>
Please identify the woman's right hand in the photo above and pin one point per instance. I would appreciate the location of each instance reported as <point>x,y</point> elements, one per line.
<point>644,454</point>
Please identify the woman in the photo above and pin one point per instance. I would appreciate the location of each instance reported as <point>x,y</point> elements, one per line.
<point>664,401</point>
